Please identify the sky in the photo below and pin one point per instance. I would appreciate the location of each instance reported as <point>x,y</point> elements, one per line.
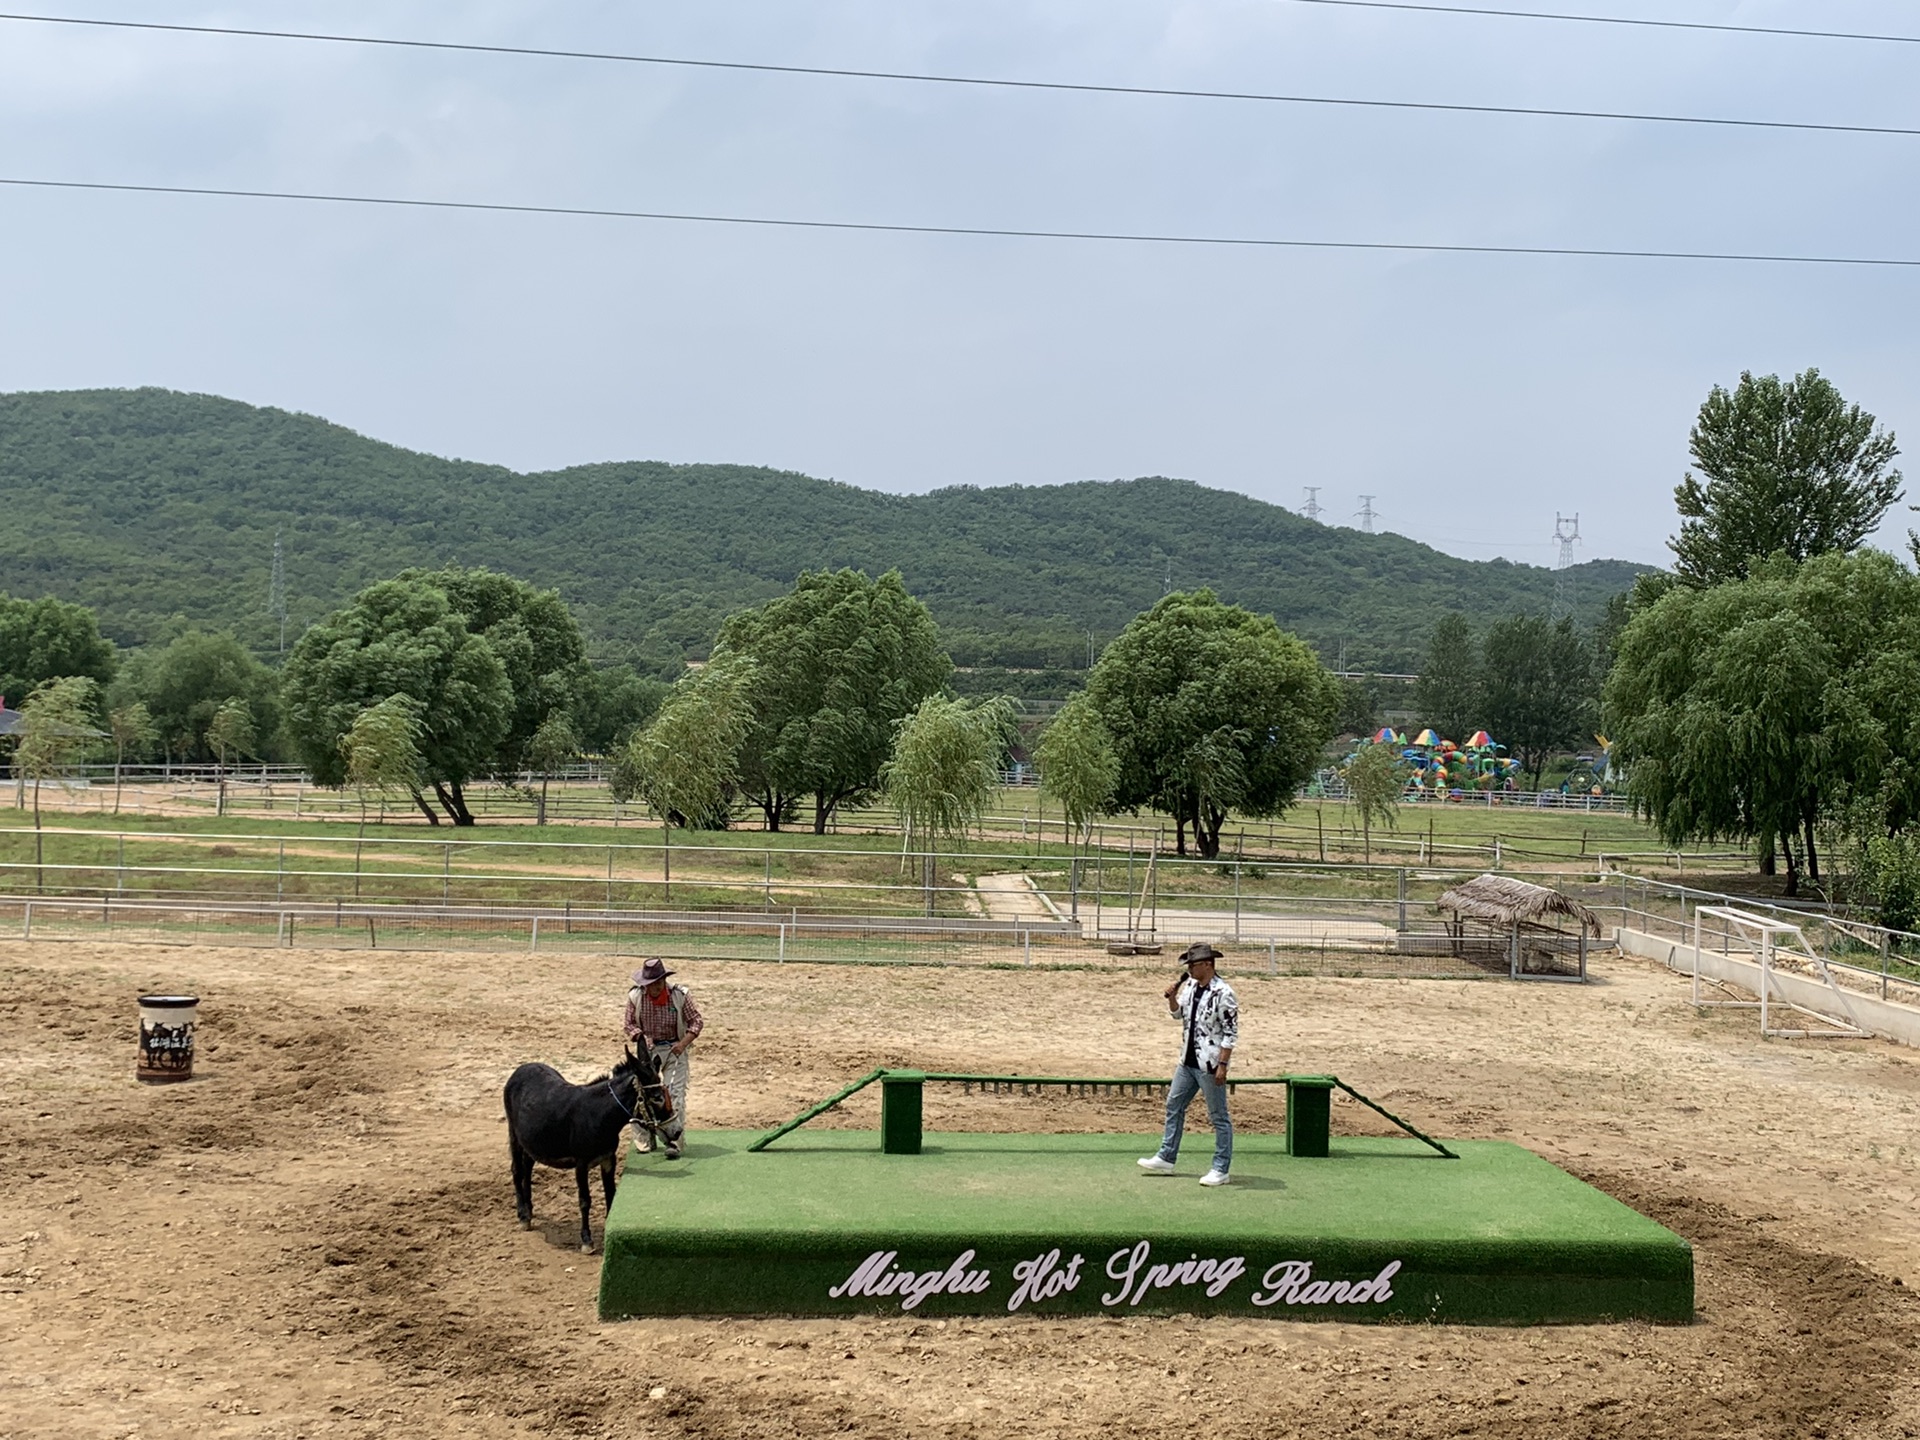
<point>1475,397</point>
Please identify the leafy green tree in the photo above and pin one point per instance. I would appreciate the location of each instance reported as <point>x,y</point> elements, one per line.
<point>381,751</point>
<point>1359,704</point>
<point>132,729</point>
<point>610,704</point>
<point>1376,778</point>
<point>1447,693</point>
<point>1537,691</point>
<point>1212,709</point>
<point>554,744</point>
<point>1768,707</point>
<point>838,663</point>
<point>56,728</point>
<point>185,682</point>
<point>1077,765</point>
<point>536,640</point>
<point>1791,469</point>
<point>42,640</point>
<point>401,637</point>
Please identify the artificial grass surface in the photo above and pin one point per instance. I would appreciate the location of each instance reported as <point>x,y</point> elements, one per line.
<point>1497,1236</point>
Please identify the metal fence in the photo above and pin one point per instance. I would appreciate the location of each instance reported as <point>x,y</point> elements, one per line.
<point>1321,832</point>
<point>1864,957</point>
<point>1397,935</point>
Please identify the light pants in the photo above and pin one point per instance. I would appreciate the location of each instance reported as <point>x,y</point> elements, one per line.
<point>673,1069</point>
<point>1186,1080</point>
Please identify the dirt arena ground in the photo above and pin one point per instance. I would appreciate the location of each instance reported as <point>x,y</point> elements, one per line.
<point>316,1237</point>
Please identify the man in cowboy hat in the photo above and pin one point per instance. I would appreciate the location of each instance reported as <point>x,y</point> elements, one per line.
<point>1209,1017</point>
<point>664,1017</point>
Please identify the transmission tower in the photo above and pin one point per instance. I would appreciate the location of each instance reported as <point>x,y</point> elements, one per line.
<point>1367,514</point>
<point>1312,508</point>
<point>1566,530</point>
<point>277,592</point>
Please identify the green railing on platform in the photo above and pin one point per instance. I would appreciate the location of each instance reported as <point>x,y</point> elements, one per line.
<point>1097,1085</point>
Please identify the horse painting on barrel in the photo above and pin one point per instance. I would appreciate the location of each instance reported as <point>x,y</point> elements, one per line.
<point>551,1121</point>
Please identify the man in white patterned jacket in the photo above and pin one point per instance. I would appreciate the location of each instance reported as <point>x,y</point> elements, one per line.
<point>1209,1017</point>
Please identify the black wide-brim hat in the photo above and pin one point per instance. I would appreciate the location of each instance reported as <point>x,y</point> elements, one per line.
<point>1199,951</point>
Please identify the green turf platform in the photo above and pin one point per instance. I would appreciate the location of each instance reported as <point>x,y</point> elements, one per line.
<point>825,1224</point>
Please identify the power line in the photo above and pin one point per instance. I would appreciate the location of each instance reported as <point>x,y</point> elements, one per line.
<point>877,227</point>
<point>1617,20</point>
<point>1352,102</point>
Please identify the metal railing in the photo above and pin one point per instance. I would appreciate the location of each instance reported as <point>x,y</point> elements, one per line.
<point>1865,957</point>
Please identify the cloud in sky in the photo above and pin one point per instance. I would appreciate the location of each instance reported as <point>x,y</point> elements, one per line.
<point>1473,396</point>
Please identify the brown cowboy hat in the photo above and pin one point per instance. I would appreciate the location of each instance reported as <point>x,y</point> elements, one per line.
<point>1199,951</point>
<point>651,971</point>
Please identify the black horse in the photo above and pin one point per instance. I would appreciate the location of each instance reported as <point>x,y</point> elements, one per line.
<point>553,1122</point>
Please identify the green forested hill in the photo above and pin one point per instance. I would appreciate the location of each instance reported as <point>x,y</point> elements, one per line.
<point>150,505</point>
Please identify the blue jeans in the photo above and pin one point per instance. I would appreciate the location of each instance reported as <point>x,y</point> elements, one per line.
<point>1186,1080</point>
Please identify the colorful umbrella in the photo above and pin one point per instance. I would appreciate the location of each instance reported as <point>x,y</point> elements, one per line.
<point>1427,738</point>
<point>1479,740</point>
<point>1386,737</point>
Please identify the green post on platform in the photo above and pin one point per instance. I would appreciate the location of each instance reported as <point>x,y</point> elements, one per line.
<point>1309,1115</point>
<point>900,1092</point>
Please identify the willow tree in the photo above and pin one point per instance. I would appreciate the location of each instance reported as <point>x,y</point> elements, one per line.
<point>381,751</point>
<point>131,726</point>
<point>1077,766</point>
<point>56,728</point>
<point>944,772</point>
<point>1376,778</point>
<point>686,763</point>
<point>1767,708</point>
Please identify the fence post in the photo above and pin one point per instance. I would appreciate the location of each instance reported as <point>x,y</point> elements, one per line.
<point>280,876</point>
<point>26,923</point>
<point>446,873</point>
<point>1403,899</point>
<point>1236,899</point>
<point>1026,945</point>
<point>120,881</point>
<point>1886,956</point>
<point>783,943</point>
<point>280,935</point>
<point>533,942</point>
<point>1273,965</point>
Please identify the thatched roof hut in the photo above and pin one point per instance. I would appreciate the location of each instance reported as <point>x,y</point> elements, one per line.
<point>1500,900</point>
<point>1528,921</point>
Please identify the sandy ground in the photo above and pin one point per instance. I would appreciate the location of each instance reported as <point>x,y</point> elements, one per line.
<point>316,1237</point>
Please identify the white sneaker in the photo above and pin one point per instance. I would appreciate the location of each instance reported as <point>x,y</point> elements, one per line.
<point>1212,1177</point>
<point>1154,1165</point>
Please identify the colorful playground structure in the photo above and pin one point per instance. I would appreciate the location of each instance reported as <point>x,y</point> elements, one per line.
<point>1437,767</point>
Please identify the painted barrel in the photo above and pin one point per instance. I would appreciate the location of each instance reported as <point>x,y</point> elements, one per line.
<point>166,1037</point>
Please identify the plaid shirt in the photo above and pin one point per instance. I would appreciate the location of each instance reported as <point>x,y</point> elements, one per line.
<point>655,1021</point>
